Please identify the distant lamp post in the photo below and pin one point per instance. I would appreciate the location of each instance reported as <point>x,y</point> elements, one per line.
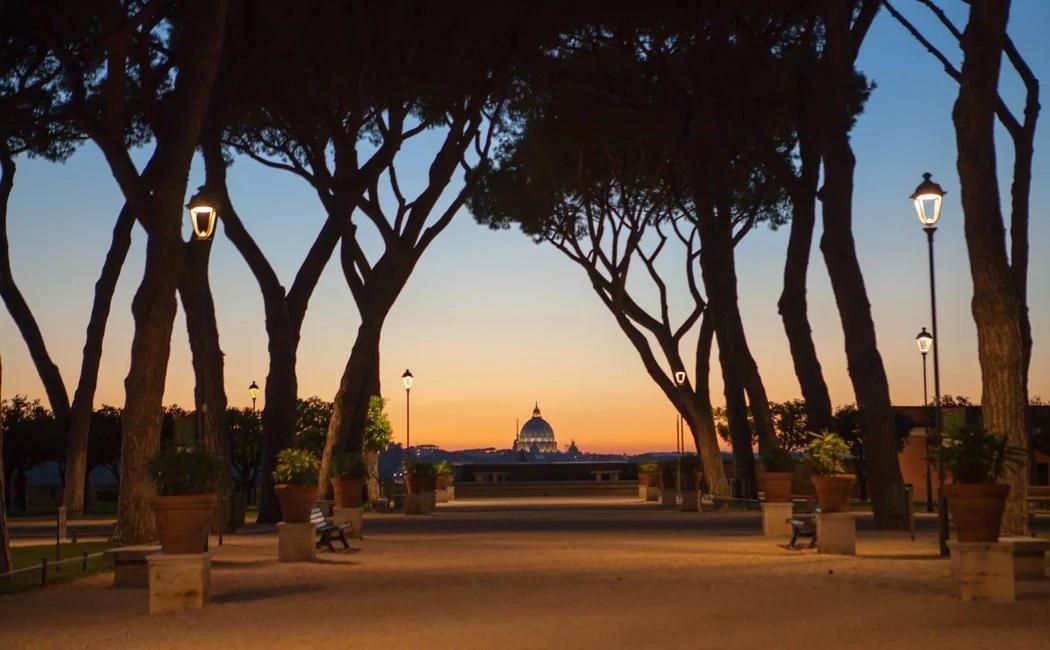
<point>925,341</point>
<point>253,390</point>
<point>679,380</point>
<point>203,213</point>
<point>407,379</point>
<point>927,198</point>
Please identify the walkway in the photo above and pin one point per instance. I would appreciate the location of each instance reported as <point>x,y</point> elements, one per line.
<point>566,575</point>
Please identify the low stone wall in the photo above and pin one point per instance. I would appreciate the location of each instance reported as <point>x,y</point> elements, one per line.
<point>522,489</point>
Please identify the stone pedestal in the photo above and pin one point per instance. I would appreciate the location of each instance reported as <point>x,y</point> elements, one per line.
<point>442,495</point>
<point>983,570</point>
<point>837,533</point>
<point>690,501</point>
<point>668,499</point>
<point>295,542</point>
<point>451,491</point>
<point>129,565</point>
<point>431,499</point>
<point>775,519</point>
<point>178,582</point>
<point>416,504</point>
<point>1029,556</point>
<point>352,516</point>
<point>648,493</point>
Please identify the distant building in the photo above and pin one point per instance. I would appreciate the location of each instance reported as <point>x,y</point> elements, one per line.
<point>536,436</point>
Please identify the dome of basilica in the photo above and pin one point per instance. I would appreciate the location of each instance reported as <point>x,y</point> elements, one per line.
<point>536,433</point>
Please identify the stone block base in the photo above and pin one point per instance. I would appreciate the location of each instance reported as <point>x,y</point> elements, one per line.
<point>648,493</point>
<point>442,495</point>
<point>775,519</point>
<point>451,490</point>
<point>352,516</point>
<point>178,582</point>
<point>690,501</point>
<point>837,533</point>
<point>295,542</point>
<point>983,570</point>
<point>1029,556</point>
<point>129,565</point>
<point>431,499</point>
<point>668,499</point>
<point>417,504</point>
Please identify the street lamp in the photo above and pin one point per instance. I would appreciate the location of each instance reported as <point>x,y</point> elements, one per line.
<point>925,341</point>
<point>927,198</point>
<point>253,390</point>
<point>407,379</point>
<point>203,214</point>
<point>679,380</point>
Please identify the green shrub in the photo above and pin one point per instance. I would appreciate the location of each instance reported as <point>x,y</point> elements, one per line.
<point>689,463</point>
<point>418,468</point>
<point>296,467</point>
<point>828,452</point>
<point>973,455</point>
<point>650,467</point>
<point>180,471</point>
<point>778,459</point>
<point>442,468</point>
<point>346,465</point>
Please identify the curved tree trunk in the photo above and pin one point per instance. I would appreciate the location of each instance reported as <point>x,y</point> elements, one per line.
<point>996,304</point>
<point>209,392</point>
<point>19,309</point>
<point>866,370</point>
<point>84,396</point>
<point>701,418</point>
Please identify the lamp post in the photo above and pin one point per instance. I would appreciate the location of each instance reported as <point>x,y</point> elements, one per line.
<point>927,198</point>
<point>407,379</point>
<point>925,341</point>
<point>203,214</point>
<point>253,390</point>
<point>679,380</point>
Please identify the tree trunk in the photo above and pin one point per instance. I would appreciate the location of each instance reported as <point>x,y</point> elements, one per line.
<point>866,370</point>
<point>153,309</point>
<point>701,416</point>
<point>84,396</point>
<point>739,431</point>
<point>996,305</point>
<point>209,391</point>
<point>19,309</point>
<point>5,557</point>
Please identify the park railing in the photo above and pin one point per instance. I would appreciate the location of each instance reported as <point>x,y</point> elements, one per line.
<point>47,565</point>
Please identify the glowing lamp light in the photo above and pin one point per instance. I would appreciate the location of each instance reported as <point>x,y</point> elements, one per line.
<point>679,377</point>
<point>927,198</point>
<point>253,390</point>
<point>407,379</point>
<point>924,340</point>
<point>202,215</point>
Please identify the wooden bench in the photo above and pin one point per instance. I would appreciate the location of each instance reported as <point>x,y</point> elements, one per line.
<point>803,525</point>
<point>606,475</point>
<point>327,532</point>
<point>1038,499</point>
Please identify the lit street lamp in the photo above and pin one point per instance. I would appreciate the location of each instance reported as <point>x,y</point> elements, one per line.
<point>925,341</point>
<point>679,380</point>
<point>927,198</point>
<point>203,214</point>
<point>407,379</point>
<point>253,390</point>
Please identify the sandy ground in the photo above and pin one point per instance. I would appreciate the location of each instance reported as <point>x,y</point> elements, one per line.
<point>551,575</point>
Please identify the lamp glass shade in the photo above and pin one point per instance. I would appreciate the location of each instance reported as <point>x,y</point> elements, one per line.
<point>202,218</point>
<point>679,377</point>
<point>924,341</point>
<point>927,198</point>
<point>408,380</point>
<point>253,390</point>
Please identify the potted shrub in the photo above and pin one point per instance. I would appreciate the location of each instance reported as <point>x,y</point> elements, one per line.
<point>348,475</point>
<point>186,479</point>
<point>295,480</point>
<point>418,476</point>
<point>649,474</point>
<point>828,453</point>
<point>688,466</point>
<point>443,475</point>
<point>779,469</point>
<point>976,459</point>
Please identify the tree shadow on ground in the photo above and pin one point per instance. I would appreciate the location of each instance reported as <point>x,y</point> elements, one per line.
<point>263,593</point>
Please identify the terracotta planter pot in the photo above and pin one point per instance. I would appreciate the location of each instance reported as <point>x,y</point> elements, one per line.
<point>183,522</point>
<point>667,479</point>
<point>413,484</point>
<point>834,491</point>
<point>648,479</point>
<point>445,481</point>
<point>429,483</point>
<point>777,486</point>
<point>977,509</point>
<point>347,492</point>
<point>296,502</point>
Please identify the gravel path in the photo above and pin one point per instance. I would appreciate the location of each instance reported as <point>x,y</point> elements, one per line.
<point>560,575</point>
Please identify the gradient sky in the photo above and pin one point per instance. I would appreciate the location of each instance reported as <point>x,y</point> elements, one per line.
<point>490,322</point>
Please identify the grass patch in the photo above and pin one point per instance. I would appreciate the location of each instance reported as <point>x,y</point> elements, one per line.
<point>30,556</point>
<point>102,510</point>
